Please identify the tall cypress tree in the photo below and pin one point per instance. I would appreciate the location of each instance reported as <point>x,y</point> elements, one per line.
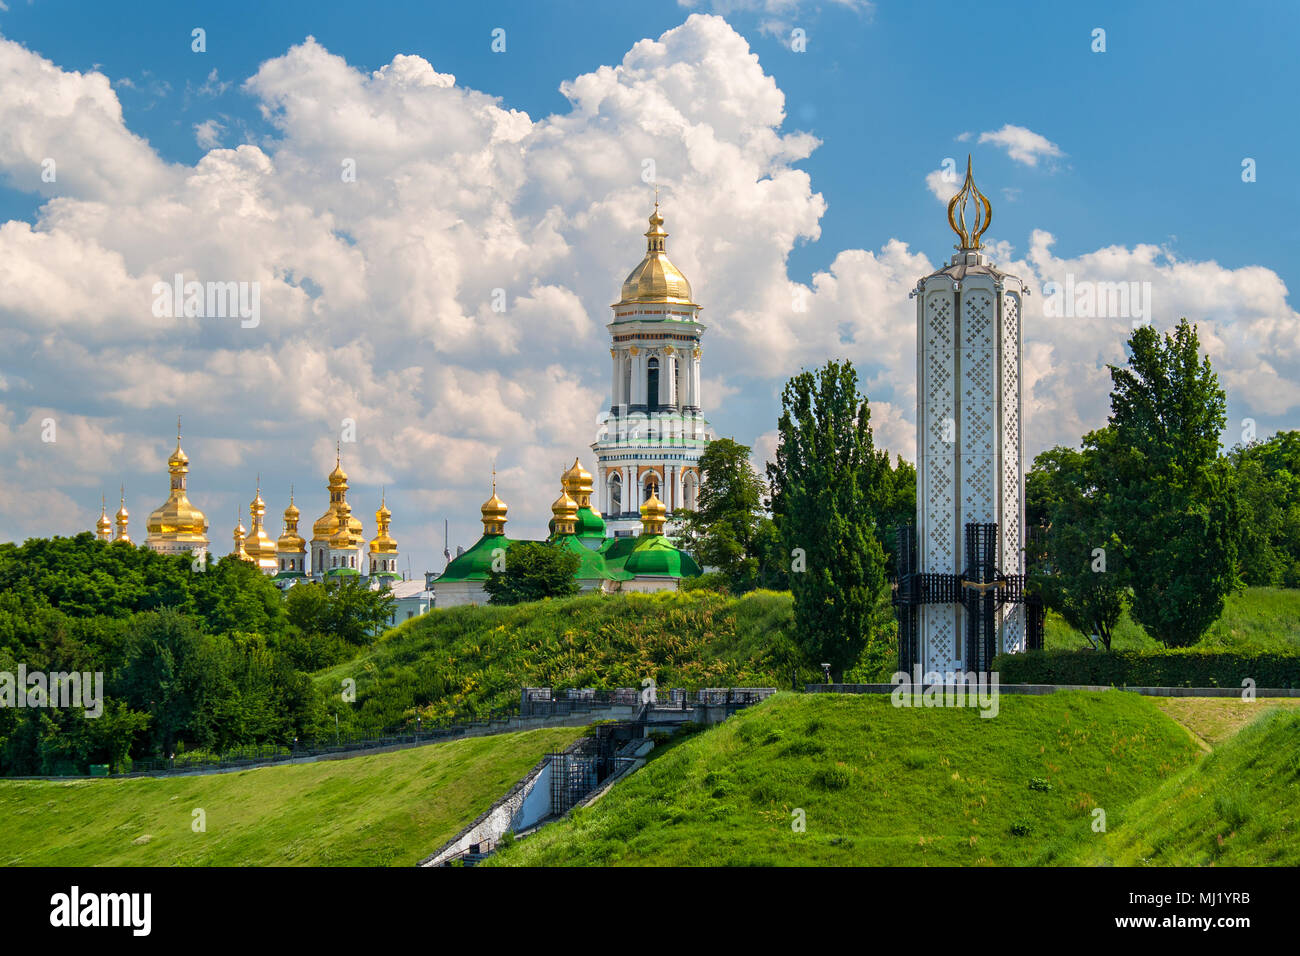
<point>827,483</point>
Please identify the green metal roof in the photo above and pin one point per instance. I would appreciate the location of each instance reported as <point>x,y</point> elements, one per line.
<point>591,564</point>
<point>654,555</point>
<point>475,563</point>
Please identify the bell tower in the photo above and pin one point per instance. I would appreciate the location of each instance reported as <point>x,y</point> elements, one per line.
<point>960,591</point>
<point>649,442</point>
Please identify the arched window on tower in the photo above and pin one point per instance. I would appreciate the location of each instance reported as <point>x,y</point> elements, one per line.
<point>615,494</point>
<point>652,385</point>
<point>651,486</point>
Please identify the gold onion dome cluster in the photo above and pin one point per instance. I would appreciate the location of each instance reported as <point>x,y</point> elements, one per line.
<point>337,524</point>
<point>656,279</point>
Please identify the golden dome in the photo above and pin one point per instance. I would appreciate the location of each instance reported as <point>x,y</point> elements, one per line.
<point>494,511</point>
<point>103,527</point>
<point>653,513</point>
<point>329,524</point>
<point>656,279</point>
<point>383,543</point>
<point>348,534</point>
<point>565,510</point>
<point>176,519</point>
<point>238,536</point>
<point>290,542</point>
<point>257,543</point>
<point>577,480</point>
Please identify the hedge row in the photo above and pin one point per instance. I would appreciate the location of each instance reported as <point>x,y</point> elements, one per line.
<point>1182,667</point>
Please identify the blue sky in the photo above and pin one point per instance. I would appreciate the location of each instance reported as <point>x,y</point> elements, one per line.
<point>1155,128</point>
<point>1147,141</point>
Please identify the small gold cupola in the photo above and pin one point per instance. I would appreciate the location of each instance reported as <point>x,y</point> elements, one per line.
<point>290,542</point>
<point>123,517</point>
<point>578,483</point>
<point>383,542</point>
<point>238,535</point>
<point>565,510</point>
<point>494,511</point>
<point>257,543</point>
<point>653,515</point>
<point>104,526</point>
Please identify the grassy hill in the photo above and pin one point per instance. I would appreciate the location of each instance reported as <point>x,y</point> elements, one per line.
<point>1256,619</point>
<point>464,660</point>
<point>387,809</point>
<point>1235,807</point>
<point>474,659</point>
<point>880,786</point>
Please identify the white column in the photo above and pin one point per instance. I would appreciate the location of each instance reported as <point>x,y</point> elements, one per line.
<point>665,381</point>
<point>695,382</point>
<point>629,489</point>
<point>678,488</point>
<point>638,379</point>
<point>618,379</point>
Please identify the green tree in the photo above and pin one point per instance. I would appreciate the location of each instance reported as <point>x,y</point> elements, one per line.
<point>729,531</point>
<point>828,487</point>
<point>1171,501</point>
<point>534,570</point>
<point>1268,482</point>
<point>345,608</point>
<point>1079,573</point>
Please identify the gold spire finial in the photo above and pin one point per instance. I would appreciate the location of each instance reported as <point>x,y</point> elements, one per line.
<point>969,236</point>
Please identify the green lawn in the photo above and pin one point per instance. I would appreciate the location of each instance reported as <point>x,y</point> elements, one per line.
<point>386,809</point>
<point>880,785</point>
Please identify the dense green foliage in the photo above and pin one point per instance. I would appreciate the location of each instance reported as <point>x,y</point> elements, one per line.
<point>729,531</point>
<point>1156,667</point>
<point>533,570</point>
<point>878,785</point>
<point>1168,497</point>
<point>474,660</point>
<point>1268,488</point>
<point>388,809</point>
<point>829,486</point>
<point>1079,572</point>
<point>193,655</point>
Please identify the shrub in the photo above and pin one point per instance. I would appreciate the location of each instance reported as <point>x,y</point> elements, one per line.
<point>1182,667</point>
<point>833,777</point>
